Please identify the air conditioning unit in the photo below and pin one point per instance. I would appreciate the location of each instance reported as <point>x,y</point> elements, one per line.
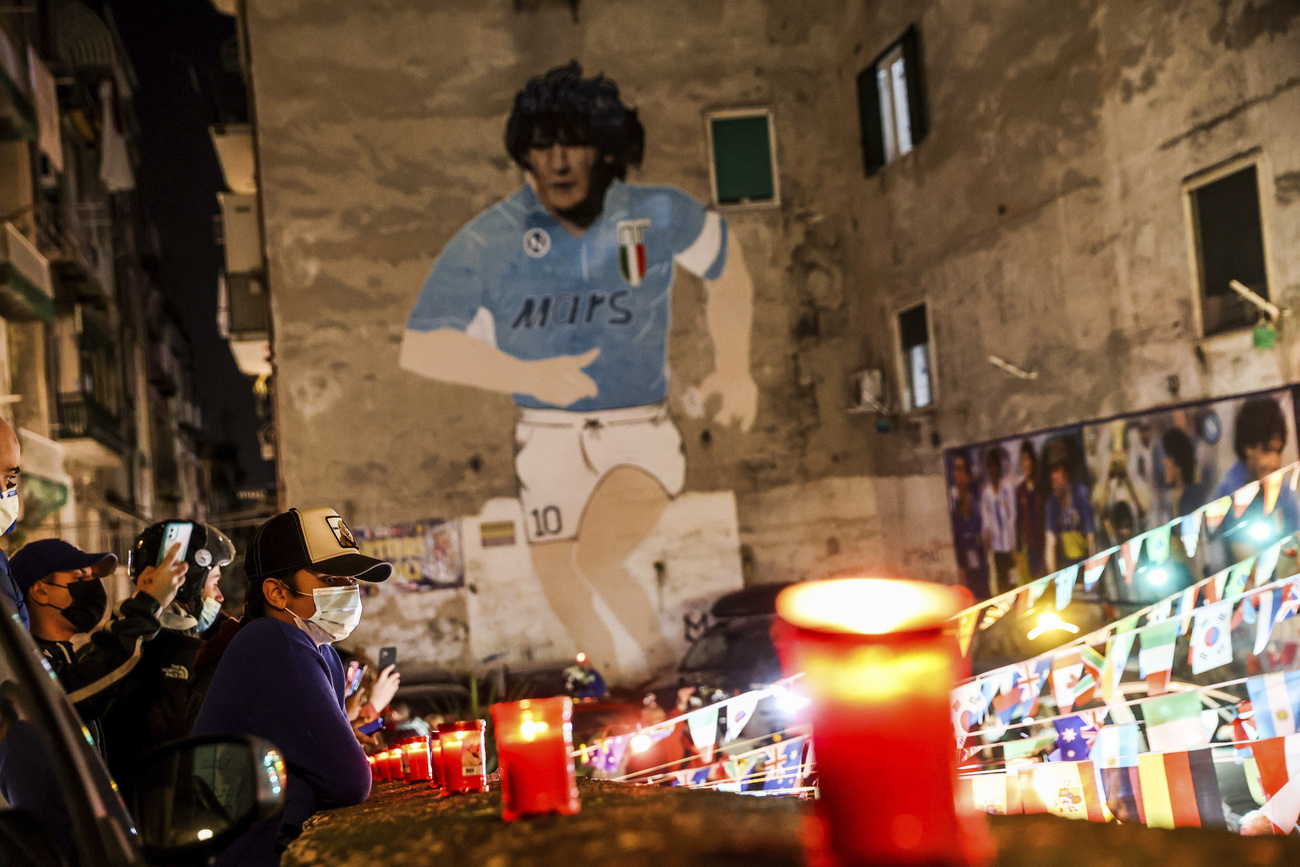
<point>241,233</point>
<point>869,392</point>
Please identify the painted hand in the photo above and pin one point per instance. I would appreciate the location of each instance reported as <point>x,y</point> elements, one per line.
<point>739,394</point>
<point>561,380</point>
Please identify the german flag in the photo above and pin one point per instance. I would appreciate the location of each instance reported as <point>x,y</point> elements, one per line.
<point>1123,794</point>
<point>1180,790</point>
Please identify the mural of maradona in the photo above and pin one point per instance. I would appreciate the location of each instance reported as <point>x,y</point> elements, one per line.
<point>560,295</point>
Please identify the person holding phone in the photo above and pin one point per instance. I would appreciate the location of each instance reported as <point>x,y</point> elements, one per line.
<point>65,594</point>
<point>155,704</point>
<point>281,679</point>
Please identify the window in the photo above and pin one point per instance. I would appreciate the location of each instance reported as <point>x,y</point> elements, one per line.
<point>914,339</point>
<point>1228,243</point>
<point>891,103</point>
<point>743,161</point>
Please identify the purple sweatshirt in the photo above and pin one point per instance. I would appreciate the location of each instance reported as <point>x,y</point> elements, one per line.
<point>274,683</point>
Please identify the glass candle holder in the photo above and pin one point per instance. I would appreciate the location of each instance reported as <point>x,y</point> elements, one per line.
<point>463,768</point>
<point>878,669</point>
<point>395,770</point>
<point>416,754</point>
<point>378,768</point>
<point>435,761</point>
<point>534,738</point>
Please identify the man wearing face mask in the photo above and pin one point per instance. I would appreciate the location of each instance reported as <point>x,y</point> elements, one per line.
<point>154,704</point>
<point>65,596</point>
<point>280,678</point>
<point>10,453</point>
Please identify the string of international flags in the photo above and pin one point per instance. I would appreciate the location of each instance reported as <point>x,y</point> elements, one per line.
<point>1092,763</point>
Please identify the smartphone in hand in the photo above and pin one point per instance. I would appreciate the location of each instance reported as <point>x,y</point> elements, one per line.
<point>179,531</point>
<point>387,657</point>
<point>356,671</point>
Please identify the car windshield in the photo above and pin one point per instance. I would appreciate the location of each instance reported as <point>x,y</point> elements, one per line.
<point>732,650</point>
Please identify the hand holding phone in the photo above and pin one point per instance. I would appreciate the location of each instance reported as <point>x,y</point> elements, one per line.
<point>387,657</point>
<point>173,533</point>
<point>356,671</point>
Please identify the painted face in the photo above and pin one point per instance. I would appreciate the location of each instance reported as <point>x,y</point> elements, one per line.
<point>561,174</point>
<point>1059,480</point>
<point>960,475</point>
<point>1173,475</point>
<point>1262,460</point>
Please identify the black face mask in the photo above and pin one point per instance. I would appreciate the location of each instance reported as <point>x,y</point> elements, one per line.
<point>89,603</point>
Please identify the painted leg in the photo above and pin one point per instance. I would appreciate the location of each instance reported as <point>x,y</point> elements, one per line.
<point>572,601</point>
<point>621,513</point>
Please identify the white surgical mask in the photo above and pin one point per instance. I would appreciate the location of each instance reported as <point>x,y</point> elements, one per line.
<point>338,611</point>
<point>208,614</point>
<point>9,510</point>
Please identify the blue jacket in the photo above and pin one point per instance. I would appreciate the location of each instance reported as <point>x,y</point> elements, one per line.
<point>274,683</point>
<point>9,587</point>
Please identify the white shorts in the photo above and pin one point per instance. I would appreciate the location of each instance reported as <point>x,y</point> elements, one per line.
<point>561,456</point>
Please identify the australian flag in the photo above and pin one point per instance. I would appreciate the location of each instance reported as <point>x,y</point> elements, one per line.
<point>1075,736</point>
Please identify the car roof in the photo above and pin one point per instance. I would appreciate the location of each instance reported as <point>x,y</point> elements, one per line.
<point>749,601</point>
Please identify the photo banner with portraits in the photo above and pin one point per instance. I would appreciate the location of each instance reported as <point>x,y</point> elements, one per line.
<point>1025,506</point>
<point>426,555</point>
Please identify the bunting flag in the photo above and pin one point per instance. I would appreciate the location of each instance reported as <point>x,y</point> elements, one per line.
<point>1093,662</point>
<point>784,770</point>
<point>1123,793</point>
<point>1065,580</point>
<point>969,704</point>
<point>1275,699</point>
<point>1180,790</point>
<point>1214,587</point>
<point>1160,611</point>
<point>1075,735</point>
<point>1156,656</point>
<point>1190,531</point>
<point>1067,672</point>
<point>1157,543</point>
<point>1117,654</point>
<point>1290,602</point>
<point>995,793</point>
<point>1278,760</point>
<point>1186,604</point>
<point>1029,681</point>
<point>1215,511</point>
<point>739,710</point>
<point>1067,789</point>
<point>1117,746</point>
<point>736,773</point>
<point>1035,591</point>
<point>1092,569</point>
<point>695,776</point>
<point>1243,497</point>
<point>1269,603</point>
<point>1211,644</point>
<point>1173,722</point>
<point>1244,727</point>
<point>1022,752</point>
<point>1128,559</point>
<point>703,726</point>
<point>1266,563</point>
<point>1238,575</point>
<point>966,629</point>
<point>997,607</point>
<point>1283,809</point>
<point>1272,487</point>
<point>610,752</point>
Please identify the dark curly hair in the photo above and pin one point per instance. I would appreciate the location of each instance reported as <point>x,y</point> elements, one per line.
<point>563,106</point>
<point>1259,422</point>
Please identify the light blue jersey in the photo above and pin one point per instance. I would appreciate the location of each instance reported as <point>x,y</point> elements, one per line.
<point>515,278</point>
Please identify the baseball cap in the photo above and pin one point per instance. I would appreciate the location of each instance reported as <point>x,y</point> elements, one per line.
<point>35,560</point>
<point>315,539</point>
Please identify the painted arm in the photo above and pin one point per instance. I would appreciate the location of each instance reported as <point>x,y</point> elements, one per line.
<point>448,355</point>
<point>730,315</point>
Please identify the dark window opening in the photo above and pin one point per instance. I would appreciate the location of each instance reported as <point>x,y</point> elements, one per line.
<point>914,336</point>
<point>891,103</point>
<point>1229,246</point>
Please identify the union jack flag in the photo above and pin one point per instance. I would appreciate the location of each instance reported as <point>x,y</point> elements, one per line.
<point>1290,602</point>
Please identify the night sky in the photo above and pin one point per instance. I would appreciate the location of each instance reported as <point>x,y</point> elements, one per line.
<point>185,85</point>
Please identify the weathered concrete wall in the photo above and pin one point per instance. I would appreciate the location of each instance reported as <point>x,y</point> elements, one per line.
<point>1041,219</point>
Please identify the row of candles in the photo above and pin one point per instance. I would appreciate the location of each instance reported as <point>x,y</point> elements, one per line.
<point>534,738</point>
<point>878,662</point>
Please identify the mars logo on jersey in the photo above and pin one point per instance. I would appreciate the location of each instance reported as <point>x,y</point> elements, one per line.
<point>631,250</point>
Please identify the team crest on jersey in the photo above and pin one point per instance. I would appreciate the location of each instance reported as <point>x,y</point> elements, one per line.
<point>631,250</point>
<point>537,243</point>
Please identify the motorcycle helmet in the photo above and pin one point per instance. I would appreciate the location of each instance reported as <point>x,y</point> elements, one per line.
<point>208,547</point>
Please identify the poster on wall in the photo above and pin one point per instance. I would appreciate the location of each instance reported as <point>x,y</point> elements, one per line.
<point>1025,506</point>
<point>426,555</point>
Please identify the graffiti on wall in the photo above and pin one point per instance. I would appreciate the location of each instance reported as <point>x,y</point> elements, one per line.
<point>560,295</point>
<point>1026,506</point>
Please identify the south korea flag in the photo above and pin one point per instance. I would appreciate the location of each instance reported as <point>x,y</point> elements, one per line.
<point>1211,644</point>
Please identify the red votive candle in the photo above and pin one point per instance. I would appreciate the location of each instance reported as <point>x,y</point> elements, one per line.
<point>378,768</point>
<point>435,761</point>
<point>534,737</point>
<point>463,769</point>
<point>395,770</point>
<point>416,752</point>
<point>878,669</point>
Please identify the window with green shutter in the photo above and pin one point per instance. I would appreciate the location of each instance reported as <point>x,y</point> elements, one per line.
<point>743,158</point>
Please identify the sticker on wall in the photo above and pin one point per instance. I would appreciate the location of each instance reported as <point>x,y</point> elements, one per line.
<point>496,534</point>
<point>426,555</point>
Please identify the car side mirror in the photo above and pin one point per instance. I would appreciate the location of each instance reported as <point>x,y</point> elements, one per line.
<point>193,797</point>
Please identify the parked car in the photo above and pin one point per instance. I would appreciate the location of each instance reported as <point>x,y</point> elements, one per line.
<point>194,796</point>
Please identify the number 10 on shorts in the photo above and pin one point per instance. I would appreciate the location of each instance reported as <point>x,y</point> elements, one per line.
<point>547,521</point>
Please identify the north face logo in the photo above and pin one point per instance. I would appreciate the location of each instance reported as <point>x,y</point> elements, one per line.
<point>341,532</point>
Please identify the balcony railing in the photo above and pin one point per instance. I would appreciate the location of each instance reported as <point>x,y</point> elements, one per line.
<point>81,416</point>
<point>26,288</point>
